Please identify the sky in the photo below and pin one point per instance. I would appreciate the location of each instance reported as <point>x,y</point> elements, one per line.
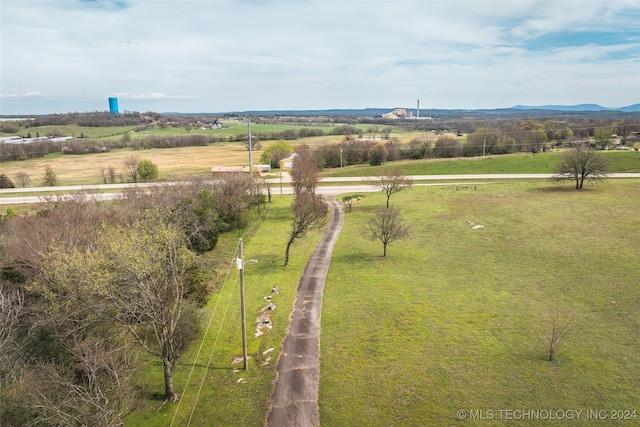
<point>192,56</point>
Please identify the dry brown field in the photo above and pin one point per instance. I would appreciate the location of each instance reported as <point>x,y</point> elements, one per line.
<point>86,169</point>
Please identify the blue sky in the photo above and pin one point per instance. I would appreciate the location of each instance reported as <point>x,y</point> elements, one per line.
<point>237,55</point>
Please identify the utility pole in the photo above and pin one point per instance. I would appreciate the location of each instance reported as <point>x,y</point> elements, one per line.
<point>240,266</point>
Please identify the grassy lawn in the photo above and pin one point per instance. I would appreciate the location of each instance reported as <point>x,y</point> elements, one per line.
<point>620,161</point>
<point>458,319</point>
<point>214,395</point>
<point>454,318</point>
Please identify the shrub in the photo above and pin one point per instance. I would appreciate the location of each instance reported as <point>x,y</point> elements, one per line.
<point>5,181</point>
<point>147,170</point>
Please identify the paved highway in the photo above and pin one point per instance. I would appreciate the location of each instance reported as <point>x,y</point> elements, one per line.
<point>362,187</point>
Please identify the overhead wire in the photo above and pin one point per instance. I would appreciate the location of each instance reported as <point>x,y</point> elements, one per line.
<point>206,333</point>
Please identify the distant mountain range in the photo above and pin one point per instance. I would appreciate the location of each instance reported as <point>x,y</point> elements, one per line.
<point>544,110</point>
<point>579,107</point>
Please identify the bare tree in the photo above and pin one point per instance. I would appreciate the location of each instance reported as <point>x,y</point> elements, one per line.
<point>11,305</point>
<point>131,166</point>
<point>231,195</point>
<point>23,179</point>
<point>305,172</point>
<point>103,174</point>
<point>111,174</point>
<point>559,327</point>
<point>447,146</point>
<point>309,212</point>
<point>391,181</point>
<point>96,391</point>
<point>387,226</point>
<point>267,185</point>
<point>581,163</point>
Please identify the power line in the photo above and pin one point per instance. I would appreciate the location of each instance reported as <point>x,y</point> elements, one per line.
<point>204,336</point>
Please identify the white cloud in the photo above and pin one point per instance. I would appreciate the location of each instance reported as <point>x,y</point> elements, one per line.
<point>153,95</point>
<point>20,95</point>
<point>222,55</point>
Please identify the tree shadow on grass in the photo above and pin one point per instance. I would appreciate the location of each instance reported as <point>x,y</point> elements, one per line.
<point>357,257</point>
<point>559,188</point>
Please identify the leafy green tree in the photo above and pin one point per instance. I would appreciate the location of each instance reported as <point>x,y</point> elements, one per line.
<point>147,170</point>
<point>533,135</point>
<point>276,152</point>
<point>151,269</point>
<point>603,138</point>
<point>50,177</point>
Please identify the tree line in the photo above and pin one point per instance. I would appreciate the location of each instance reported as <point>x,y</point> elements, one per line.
<point>85,286</point>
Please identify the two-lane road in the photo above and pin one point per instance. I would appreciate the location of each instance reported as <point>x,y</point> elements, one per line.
<point>325,186</point>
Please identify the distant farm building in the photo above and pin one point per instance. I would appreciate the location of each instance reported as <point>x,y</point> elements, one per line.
<point>20,140</point>
<point>286,164</point>
<point>220,171</point>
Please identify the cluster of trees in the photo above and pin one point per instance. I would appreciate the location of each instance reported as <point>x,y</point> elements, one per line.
<point>30,150</point>
<point>91,119</point>
<point>84,146</point>
<point>85,286</point>
<point>169,141</point>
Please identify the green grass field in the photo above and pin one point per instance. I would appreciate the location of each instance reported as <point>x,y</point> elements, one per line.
<point>459,319</point>
<point>620,161</point>
<point>453,319</point>
<point>213,396</point>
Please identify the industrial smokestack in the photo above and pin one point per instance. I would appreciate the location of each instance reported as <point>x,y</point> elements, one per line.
<point>418,110</point>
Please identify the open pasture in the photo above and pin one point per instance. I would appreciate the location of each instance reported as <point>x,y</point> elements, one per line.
<point>459,319</point>
<point>172,162</point>
<point>453,319</point>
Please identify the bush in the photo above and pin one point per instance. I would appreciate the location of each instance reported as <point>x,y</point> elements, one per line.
<point>5,181</point>
<point>147,170</point>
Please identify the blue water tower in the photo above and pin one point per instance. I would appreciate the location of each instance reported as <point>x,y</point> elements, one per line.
<point>113,106</point>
